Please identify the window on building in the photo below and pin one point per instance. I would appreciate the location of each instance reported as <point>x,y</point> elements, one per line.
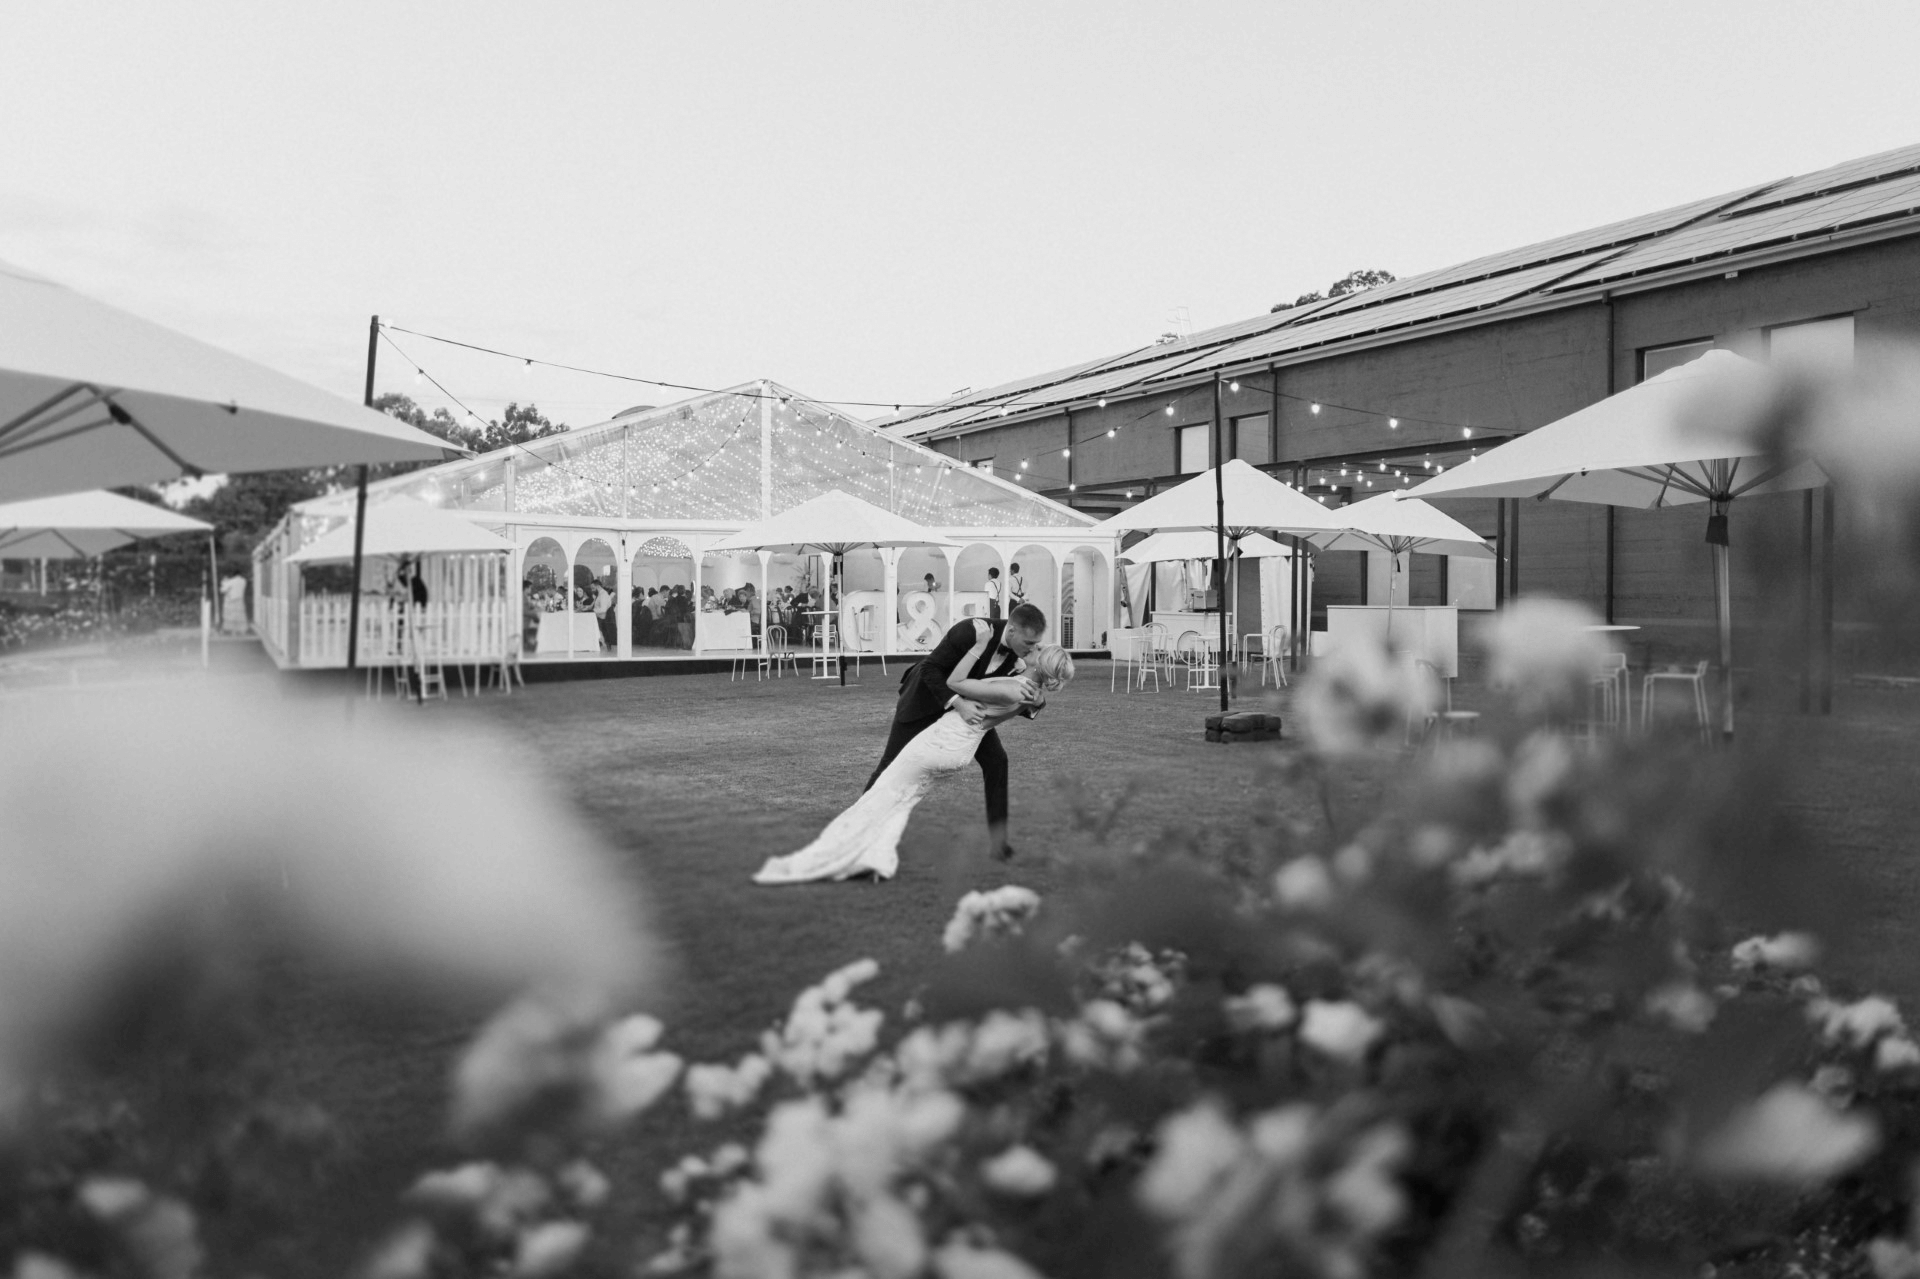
<point>1251,439</point>
<point>1824,346</point>
<point>1655,360</point>
<point>1190,448</point>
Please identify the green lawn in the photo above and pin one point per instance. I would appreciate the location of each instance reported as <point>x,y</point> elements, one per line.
<point>694,779</point>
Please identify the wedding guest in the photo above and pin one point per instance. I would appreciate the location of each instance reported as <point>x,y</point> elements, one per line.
<point>1017,587</point>
<point>994,590</point>
<point>603,616</point>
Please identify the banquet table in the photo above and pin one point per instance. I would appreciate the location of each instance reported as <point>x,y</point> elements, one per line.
<point>722,631</point>
<point>568,633</point>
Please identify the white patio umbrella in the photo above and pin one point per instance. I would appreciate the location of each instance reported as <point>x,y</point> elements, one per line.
<point>1199,546</point>
<point>82,525</point>
<point>1653,445</point>
<point>1400,526</point>
<point>1230,501</point>
<point>92,397</point>
<point>403,526</point>
<point>831,524</point>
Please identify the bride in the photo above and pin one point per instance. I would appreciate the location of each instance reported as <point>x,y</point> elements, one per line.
<point>865,839</point>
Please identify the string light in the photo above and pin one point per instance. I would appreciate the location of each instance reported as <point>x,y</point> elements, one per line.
<point>1066,452</point>
<point>1103,404</point>
<point>1111,432</point>
<point>1466,432</point>
<point>1314,408</point>
<point>1233,386</point>
<point>1393,424</point>
<point>1169,410</point>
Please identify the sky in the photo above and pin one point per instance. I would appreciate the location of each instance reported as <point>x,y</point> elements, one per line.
<point>873,202</point>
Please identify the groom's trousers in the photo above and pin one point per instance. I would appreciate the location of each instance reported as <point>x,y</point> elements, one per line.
<point>991,756</point>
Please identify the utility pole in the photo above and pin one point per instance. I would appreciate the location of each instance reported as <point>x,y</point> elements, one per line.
<point>360,512</point>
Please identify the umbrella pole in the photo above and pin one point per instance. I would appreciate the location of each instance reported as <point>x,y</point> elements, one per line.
<point>360,515</point>
<point>1723,606</point>
<point>1220,545</point>
<point>836,578</point>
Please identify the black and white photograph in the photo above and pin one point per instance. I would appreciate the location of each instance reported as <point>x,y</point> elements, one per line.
<point>557,563</point>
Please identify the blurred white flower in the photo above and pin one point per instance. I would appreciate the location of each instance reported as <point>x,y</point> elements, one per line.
<point>158,1232</point>
<point>401,853</point>
<point>1834,1082</point>
<point>1786,952</point>
<point>38,1265</point>
<point>1264,1007</point>
<point>1541,766</point>
<point>1303,884</point>
<point>963,1261</point>
<point>406,1253</point>
<point>464,1187</point>
<point>887,1237</point>
<point>1366,1190</point>
<point>1682,1005</point>
<point>1197,1147</point>
<point>543,1052</point>
<point>585,1185</point>
<point>1103,1036</point>
<point>713,1090</point>
<point>1340,1029</point>
<point>1543,654</point>
<point>825,1032</point>
<point>1895,1052</point>
<point>549,1248</point>
<point>1790,1135</point>
<point>1893,1259</point>
<point>1856,1024</point>
<point>1523,853</point>
<point>1000,912</point>
<point>1019,1171</point>
<point>1359,699</point>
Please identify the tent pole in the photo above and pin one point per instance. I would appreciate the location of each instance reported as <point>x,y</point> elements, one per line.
<point>360,513</point>
<point>1220,546</point>
<point>1723,605</point>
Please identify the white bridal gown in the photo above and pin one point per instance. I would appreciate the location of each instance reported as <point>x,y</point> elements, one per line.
<point>866,837</point>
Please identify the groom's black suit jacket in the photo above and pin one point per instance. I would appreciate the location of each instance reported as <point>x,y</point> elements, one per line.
<point>924,694</point>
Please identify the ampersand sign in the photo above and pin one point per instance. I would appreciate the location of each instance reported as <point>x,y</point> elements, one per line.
<point>922,630</point>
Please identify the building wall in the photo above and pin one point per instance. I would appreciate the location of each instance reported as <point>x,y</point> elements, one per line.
<point>1516,375</point>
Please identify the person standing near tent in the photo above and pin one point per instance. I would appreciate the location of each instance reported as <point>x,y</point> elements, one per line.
<point>603,615</point>
<point>233,605</point>
<point>1016,588</point>
<point>994,590</point>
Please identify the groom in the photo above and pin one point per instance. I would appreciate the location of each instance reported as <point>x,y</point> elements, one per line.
<point>931,686</point>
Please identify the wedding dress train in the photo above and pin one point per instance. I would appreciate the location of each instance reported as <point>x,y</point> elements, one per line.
<point>866,837</point>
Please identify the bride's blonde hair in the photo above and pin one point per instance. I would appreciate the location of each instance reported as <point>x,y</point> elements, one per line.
<point>1051,664</point>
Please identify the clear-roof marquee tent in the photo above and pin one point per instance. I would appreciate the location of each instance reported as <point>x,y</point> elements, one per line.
<point>582,506</point>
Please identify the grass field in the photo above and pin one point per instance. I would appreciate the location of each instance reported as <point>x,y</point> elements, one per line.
<point>694,780</point>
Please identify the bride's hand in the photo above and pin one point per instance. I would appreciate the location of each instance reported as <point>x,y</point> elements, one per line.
<point>972,712</point>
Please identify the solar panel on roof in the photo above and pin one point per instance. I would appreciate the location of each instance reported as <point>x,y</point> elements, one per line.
<point>1773,224</point>
<point>1865,169</point>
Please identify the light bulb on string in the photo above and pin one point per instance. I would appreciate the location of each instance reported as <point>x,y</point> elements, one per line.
<point>1066,452</point>
<point>1393,424</point>
<point>1233,385</point>
<point>1110,432</point>
<point>527,367</point>
<point>1169,410</point>
<point>1313,408</point>
<point>1466,432</point>
<point>1103,404</point>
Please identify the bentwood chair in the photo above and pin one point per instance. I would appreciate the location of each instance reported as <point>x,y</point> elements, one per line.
<point>863,628</point>
<point>1159,654</point>
<point>1696,682</point>
<point>1197,660</point>
<point>775,651</point>
<point>1609,684</point>
<point>1273,657</point>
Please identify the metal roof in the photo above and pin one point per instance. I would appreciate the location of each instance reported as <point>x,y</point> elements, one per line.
<point>1882,188</point>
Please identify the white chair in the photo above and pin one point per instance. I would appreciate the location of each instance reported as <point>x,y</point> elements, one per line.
<point>1696,679</point>
<point>1446,719</point>
<point>1610,684</point>
<point>1159,655</point>
<point>774,651</point>
<point>826,657</point>
<point>1273,657</point>
<point>1197,659</point>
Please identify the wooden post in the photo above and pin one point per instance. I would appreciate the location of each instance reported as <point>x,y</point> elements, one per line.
<point>1220,548</point>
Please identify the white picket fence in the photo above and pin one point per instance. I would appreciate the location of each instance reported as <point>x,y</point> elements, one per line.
<point>463,631</point>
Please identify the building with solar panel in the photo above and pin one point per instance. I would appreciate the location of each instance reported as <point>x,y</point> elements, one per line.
<point>1353,395</point>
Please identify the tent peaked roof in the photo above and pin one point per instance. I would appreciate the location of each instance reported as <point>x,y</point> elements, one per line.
<point>834,521</point>
<point>402,526</point>
<point>1254,500</point>
<point>91,395</point>
<point>84,524</point>
<point>1392,523</point>
<point>1641,447</point>
<point>702,459</point>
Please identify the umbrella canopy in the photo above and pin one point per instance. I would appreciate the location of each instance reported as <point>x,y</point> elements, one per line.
<point>1396,525</point>
<point>402,526</point>
<point>85,524</point>
<point>91,396</point>
<point>1653,445</point>
<point>1195,545</point>
<point>834,523</point>
<point>1254,500</point>
<point>1648,446</point>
